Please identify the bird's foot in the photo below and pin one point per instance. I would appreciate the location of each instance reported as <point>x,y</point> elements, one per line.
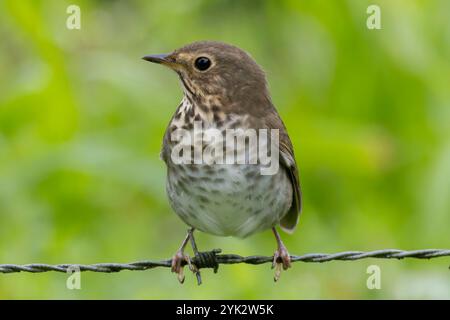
<point>281,261</point>
<point>178,262</point>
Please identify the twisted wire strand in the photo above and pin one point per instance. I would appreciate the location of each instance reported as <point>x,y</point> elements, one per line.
<point>212,259</point>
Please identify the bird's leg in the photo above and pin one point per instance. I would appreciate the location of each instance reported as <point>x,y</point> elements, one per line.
<point>195,250</point>
<point>180,257</point>
<point>281,257</point>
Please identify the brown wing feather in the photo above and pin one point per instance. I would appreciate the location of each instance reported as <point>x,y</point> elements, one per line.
<point>287,161</point>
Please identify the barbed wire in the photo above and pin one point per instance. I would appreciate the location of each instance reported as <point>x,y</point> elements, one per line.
<point>212,259</point>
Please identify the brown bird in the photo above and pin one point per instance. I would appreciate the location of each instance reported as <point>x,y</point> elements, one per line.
<point>225,89</point>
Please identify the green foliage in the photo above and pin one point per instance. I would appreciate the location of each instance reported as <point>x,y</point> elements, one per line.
<point>82,119</point>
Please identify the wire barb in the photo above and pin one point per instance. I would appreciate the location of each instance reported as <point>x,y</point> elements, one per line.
<point>207,259</point>
<point>212,259</point>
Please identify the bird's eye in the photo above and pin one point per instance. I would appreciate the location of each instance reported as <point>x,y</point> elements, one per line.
<point>202,63</point>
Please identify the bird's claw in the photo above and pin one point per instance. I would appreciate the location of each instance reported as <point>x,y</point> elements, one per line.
<point>178,265</point>
<point>281,261</point>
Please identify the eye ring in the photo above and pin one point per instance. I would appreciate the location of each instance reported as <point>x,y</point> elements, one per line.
<point>202,63</point>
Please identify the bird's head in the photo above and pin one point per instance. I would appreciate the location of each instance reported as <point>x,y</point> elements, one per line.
<point>210,68</point>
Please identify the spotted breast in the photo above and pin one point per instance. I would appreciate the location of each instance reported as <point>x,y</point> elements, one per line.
<point>226,199</point>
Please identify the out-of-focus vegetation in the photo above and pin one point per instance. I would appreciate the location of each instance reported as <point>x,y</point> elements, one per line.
<point>82,119</point>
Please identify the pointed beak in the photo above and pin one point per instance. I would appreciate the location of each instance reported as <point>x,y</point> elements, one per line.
<point>157,58</point>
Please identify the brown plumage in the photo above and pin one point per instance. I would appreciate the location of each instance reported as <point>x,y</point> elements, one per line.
<point>225,88</point>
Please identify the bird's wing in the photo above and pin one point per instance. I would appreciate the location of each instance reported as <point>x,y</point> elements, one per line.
<point>287,161</point>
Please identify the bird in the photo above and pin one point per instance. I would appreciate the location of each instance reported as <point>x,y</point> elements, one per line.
<point>225,89</point>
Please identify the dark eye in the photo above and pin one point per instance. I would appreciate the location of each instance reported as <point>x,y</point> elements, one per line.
<point>202,63</point>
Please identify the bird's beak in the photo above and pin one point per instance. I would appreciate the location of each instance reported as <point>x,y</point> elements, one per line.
<point>157,58</point>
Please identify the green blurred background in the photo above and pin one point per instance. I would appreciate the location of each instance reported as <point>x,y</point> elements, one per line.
<point>82,119</point>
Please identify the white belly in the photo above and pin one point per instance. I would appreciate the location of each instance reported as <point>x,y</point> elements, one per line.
<point>228,200</point>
